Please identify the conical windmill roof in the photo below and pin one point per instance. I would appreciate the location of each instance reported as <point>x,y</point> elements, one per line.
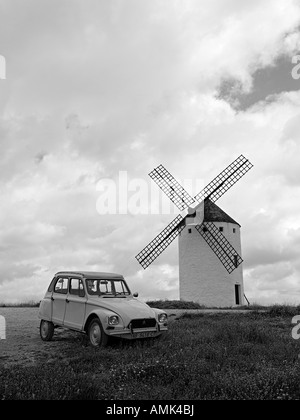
<point>213,213</point>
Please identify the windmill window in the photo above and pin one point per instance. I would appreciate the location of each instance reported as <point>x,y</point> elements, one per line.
<point>190,230</point>
<point>234,230</point>
<point>221,229</point>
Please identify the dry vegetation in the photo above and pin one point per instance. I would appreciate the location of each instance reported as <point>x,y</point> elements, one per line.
<point>28,304</point>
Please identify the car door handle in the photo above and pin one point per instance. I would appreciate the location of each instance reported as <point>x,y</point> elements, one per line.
<point>67,300</point>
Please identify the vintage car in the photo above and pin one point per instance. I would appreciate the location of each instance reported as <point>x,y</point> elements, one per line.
<point>100,305</point>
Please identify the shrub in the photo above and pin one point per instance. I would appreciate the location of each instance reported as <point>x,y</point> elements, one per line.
<point>29,304</point>
<point>284,311</point>
<point>174,304</point>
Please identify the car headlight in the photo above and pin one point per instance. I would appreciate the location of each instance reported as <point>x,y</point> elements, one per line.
<point>162,318</point>
<point>113,320</point>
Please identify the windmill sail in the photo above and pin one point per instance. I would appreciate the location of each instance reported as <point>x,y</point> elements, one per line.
<point>225,180</point>
<point>161,242</point>
<point>220,245</point>
<point>168,184</point>
<point>179,196</point>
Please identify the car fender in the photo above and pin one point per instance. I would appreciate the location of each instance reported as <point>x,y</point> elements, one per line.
<point>102,314</point>
<point>158,311</point>
<point>45,310</point>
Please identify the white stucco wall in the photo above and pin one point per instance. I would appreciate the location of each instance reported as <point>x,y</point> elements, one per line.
<point>202,276</point>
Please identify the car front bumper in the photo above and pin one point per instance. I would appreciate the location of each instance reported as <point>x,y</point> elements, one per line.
<point>133,334</point>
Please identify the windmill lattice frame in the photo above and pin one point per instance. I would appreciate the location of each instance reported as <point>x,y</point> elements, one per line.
<point>220,245</point>
<point>168,184</point>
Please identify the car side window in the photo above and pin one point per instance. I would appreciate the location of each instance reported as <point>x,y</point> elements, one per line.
<point>61,286</point>
<point>76,287</point>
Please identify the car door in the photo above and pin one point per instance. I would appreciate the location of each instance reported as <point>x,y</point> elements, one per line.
<point>58,298</point>
<point>75,305</point>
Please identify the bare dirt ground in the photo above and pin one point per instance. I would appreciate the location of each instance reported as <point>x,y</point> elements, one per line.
<point>24,346</point>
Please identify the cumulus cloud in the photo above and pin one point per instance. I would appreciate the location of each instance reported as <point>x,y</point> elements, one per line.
<point>99,87</point>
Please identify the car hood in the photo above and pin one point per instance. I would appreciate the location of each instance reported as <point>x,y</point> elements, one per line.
<point>127,308</point>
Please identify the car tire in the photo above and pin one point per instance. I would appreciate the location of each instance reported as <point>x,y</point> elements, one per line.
<point>96,334</point>
<point>46,330</point>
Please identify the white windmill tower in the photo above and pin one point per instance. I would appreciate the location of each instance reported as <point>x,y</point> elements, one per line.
<point>210,270</point>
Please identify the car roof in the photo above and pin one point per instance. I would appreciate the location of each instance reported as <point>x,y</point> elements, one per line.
<point>91,274</point>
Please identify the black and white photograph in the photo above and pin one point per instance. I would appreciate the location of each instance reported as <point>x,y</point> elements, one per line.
<point>150,202</point>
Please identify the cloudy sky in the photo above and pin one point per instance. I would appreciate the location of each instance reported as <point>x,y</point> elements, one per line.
<point>98,87</point>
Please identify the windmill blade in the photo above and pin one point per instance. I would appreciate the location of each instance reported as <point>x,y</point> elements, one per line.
<point>225,180</point>
<point>168,184</point>
<point>161,242</point>
<point>220,245</point>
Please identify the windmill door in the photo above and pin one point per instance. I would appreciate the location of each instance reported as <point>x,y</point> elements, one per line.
<point>238,297</point>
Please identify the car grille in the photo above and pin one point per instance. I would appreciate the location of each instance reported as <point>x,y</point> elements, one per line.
<point>143,323</point>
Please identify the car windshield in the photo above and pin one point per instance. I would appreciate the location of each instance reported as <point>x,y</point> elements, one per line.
<point>107,288</point>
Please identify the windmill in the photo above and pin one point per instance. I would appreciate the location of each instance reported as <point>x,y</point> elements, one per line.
<point>210,262</point>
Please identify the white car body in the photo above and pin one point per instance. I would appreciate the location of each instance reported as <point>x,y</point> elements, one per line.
<point>120,313</point>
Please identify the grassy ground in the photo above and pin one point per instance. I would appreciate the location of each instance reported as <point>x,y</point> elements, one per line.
<point>222,356</point>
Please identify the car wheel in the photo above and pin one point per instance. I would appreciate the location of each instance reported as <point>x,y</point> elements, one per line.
<point>96,335</point>
<point>46,330</point>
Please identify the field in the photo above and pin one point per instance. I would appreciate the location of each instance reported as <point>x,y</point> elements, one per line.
<point>204,356</point>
